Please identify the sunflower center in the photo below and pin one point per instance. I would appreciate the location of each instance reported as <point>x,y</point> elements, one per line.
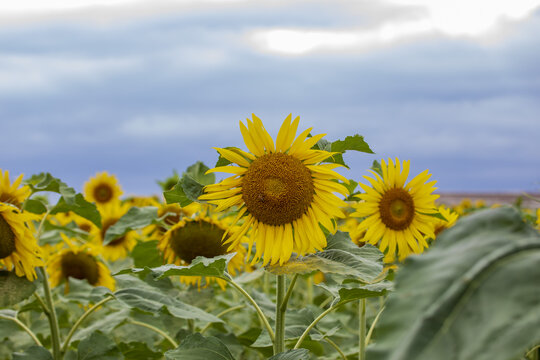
<point>7,239</point>
<point>197,238</point>
<point>80,266</point>
<point>277,189</point>
<point>397,209</point>
<point>103,193</point>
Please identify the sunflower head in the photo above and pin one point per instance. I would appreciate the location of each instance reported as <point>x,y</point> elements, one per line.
<point>12,193</point>
<point>102,189</point>
<point>121,246</point>
<point>281,190</point>
<point>397,214</point>
<point>18,247</point>
<point>450,216</point>
<point>79,262</point>
<point>198,236</point>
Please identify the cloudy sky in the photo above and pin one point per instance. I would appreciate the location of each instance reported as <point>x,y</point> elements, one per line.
<point>139,88</point>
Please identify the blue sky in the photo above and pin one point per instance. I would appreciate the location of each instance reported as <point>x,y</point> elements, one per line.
<point>141,88</point>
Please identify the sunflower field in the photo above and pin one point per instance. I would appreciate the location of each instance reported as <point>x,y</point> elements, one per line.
<point>283,258</point>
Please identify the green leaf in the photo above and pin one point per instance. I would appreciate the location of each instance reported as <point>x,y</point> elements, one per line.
<point>146,254</point>
<point>200,266</point>
<point>296,354</point>
<point>47,182</point>
<point>98,347</point>
<point>177,195</point>
<point>198,171</point>
<point>437,215</point>
<point>355,142</point>
<point>341,256</point>
<point>33,353</point>
<point>473,295</point>
<point>152,301</point>
<point>350,292</point>
<point>79,206</point>
<point>106,324</point>
<point>198,347</point>
<point>138,351</point>
<point>376,166</point>
<point>35,206</point>
<point>14,289</point>
<point>192,188</point>
<point>135,218</point>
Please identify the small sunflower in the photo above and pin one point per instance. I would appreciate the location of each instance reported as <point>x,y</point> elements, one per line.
<point>174,214</point>
<point>450,216</point>
<point>65,218</point>
<point>79,262</point>
<point>18,247</point>
<point>120,247</point>
<point>102,189</point>
<point>397,214</point>
<point>281,191</point>
<point>199,236</point>
<point>12,193</point>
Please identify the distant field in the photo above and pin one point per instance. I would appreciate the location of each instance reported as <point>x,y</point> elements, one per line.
<point>492,198</point>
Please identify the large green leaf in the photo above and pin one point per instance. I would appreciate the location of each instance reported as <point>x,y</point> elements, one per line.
<point>200,266</point>
<point>138,351</point>
<point>150,300</point>
<point>474,295</point>
<point>35,206</point>
<point>106,324</point>
<point>33,353</point>
<point>98,347</point>
<point>79,206</point>
<point>198,347</point>
<point>146,253</point>
<point>341,256</point>
<point>296,354</point>
<point>69,199</point>
<point>135,218</point>
<point>198,171</point>
<point>14,289</point>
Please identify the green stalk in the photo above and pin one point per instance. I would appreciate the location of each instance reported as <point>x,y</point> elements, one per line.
<point>279,344</point>
<point>155,329</point>
<point>224,312</point>
<point>362,329</point>
<point>24,327</point>
<point>335,346</point>
<point>53,320</point>
<point>289,293</point>
<point>263,318</point>
<point>80,320</point>
<point>319,318</point>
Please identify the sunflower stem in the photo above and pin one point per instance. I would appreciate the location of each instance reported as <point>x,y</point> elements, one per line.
<point>262,317</point>
<point>362,329</point>
<point>279,344</point>
<point>285,301</point>
<point>309,283</point>
<point>224,312</point>
<point>155,329</point>
<point>335,346</point>
<point>24,327</point>
<point>319,318</point>
<point>53,320</point>
<point>80,320</point>
<point>44,307</point>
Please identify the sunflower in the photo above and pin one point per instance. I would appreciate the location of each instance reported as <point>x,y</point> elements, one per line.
<point>102,189</point>
<point>121,246</point>
<point>173,213</point>
<point>397,214</point>
<point>199,236</point>
<point>18,247</point>
<point>82,223</point>
<point>12,193</point>
<point>79,262</point>
<point>450,216</point>
<point>281,191</point>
